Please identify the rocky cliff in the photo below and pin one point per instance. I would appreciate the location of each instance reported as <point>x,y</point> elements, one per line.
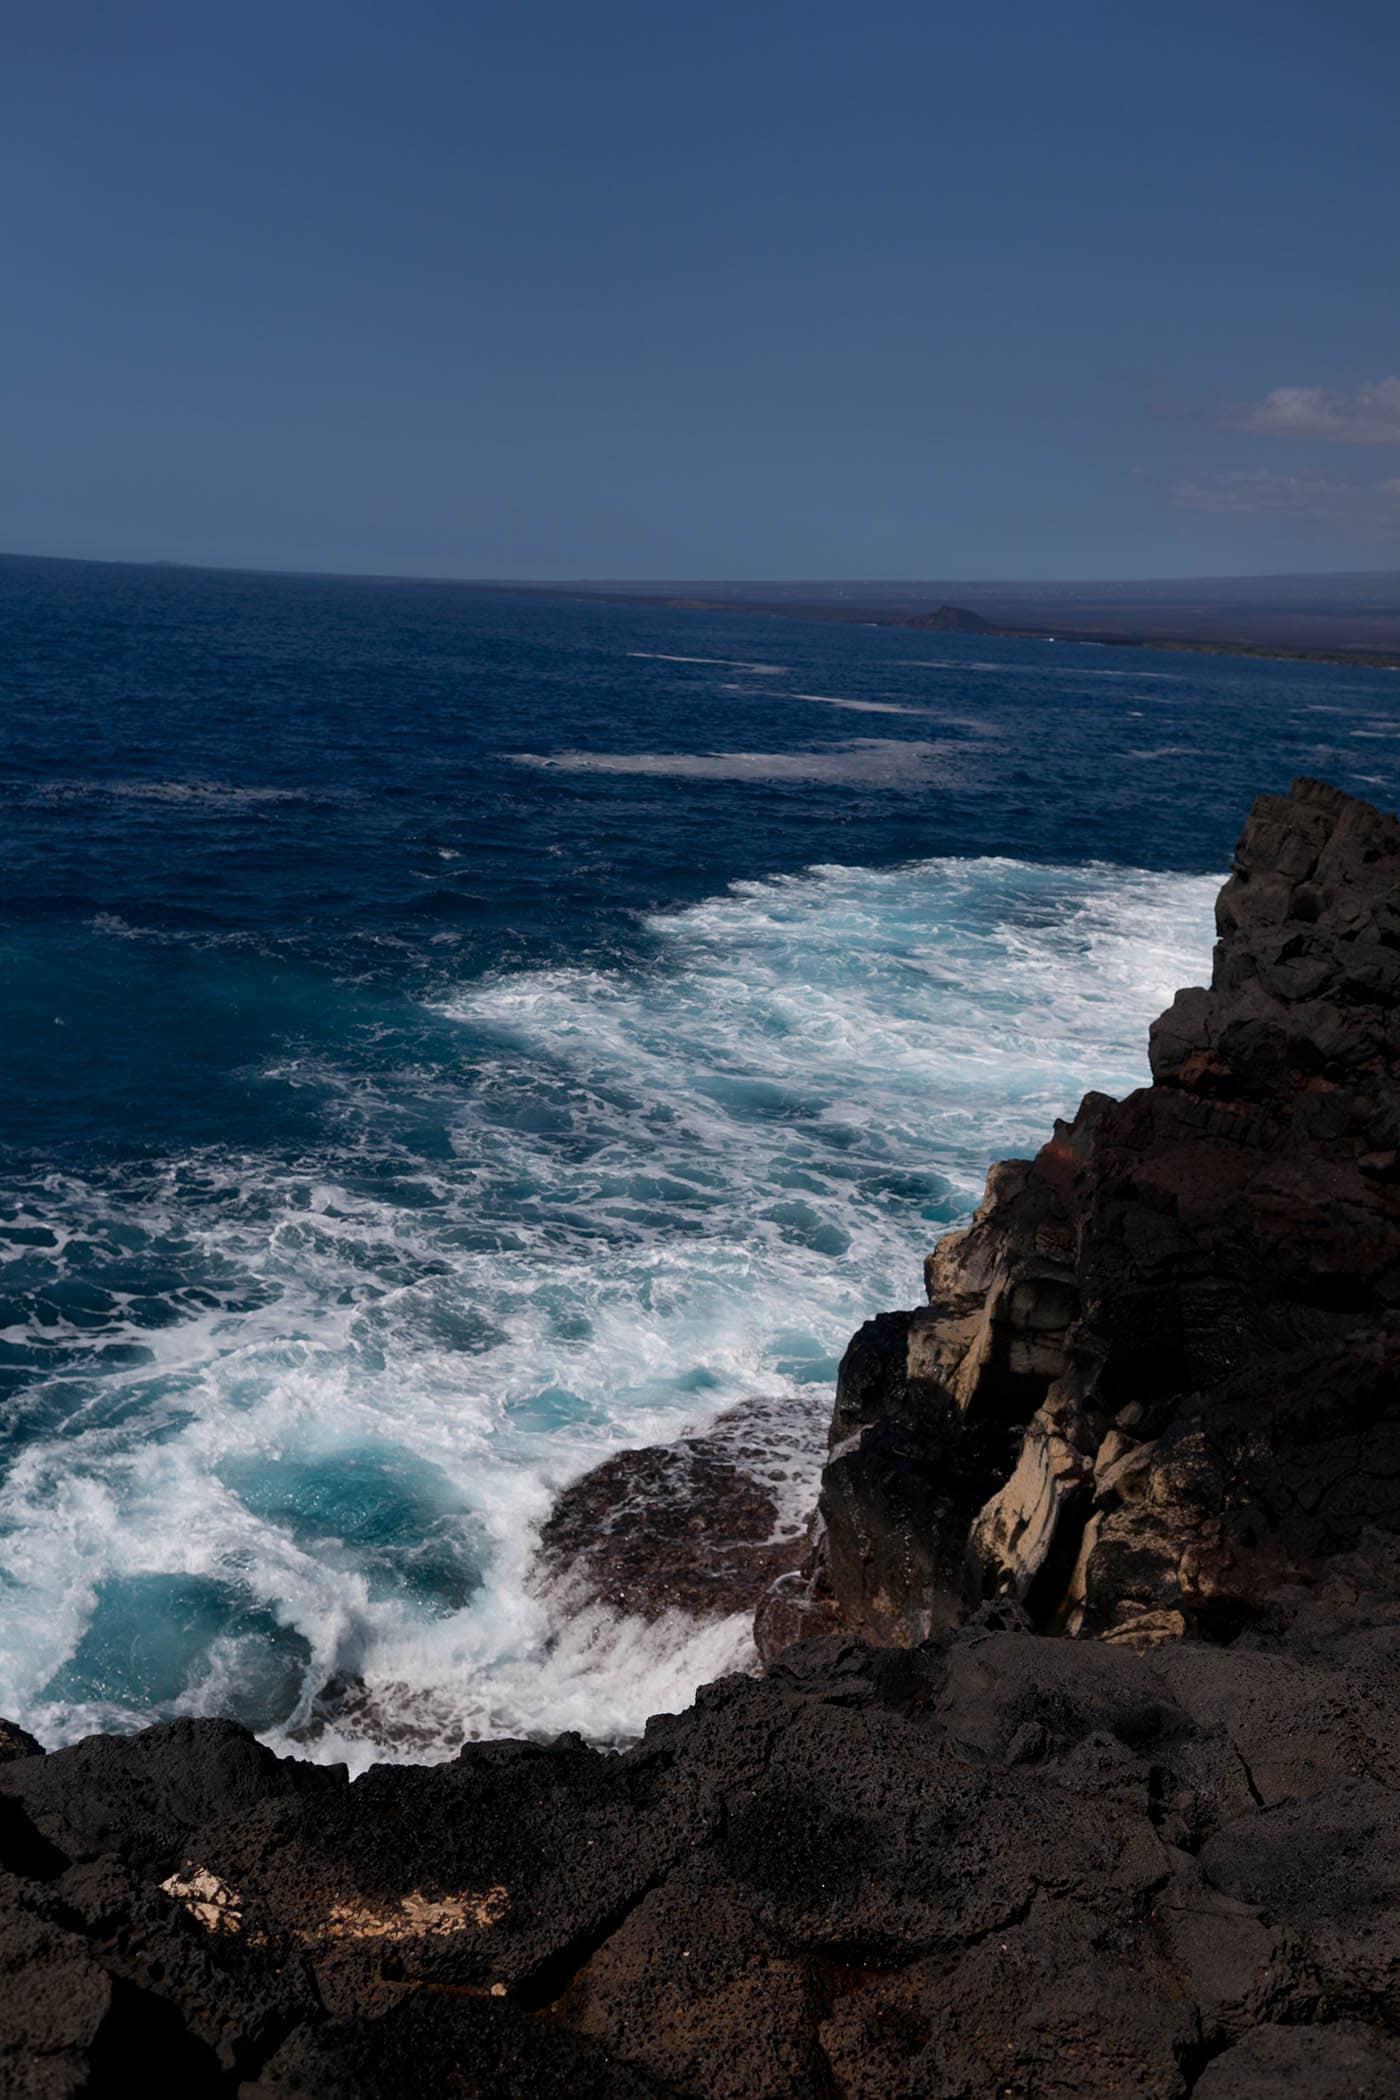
<point>932,1854</point>
<point>1153,1391</point>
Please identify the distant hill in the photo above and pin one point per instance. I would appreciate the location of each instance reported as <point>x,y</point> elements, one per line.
<point>1347,615</point>
<point>952,619</point>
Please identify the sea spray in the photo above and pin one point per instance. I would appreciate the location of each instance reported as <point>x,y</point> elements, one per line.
<point>321,1450</point>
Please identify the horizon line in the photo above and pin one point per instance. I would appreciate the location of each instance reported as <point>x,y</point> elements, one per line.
<point>692,582</point>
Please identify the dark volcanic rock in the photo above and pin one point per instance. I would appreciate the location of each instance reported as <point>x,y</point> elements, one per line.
<point>122,1797</point>
<point>444,2044</point>
<point>993,1863</point>
<point>1340,2062</point>
<point>696,1526</point>
<point>1155,1386</point>
<point>17,1742</point>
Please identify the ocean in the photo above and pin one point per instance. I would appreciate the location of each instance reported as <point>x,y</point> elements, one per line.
<point>451,1035</point>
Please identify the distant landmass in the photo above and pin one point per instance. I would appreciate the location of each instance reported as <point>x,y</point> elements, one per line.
<point>955,619</point>
<point>1351,617</point>
<point>1339,617</point>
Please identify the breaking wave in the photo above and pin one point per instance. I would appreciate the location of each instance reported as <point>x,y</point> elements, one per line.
<point>294,1422</point>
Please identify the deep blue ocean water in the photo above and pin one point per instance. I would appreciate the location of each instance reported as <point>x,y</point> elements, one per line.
<point>448,1034</point>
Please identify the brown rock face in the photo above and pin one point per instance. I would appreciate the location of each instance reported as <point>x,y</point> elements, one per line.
<point>1154,1390</point>
<point>695,1526</point>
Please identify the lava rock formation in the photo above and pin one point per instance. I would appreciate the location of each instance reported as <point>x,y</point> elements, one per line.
<point>1153,1392</point>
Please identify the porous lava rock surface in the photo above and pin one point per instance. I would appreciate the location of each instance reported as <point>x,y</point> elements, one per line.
<point>993,1864</point>
<point>934,1852</point>
<point>696,1526</point>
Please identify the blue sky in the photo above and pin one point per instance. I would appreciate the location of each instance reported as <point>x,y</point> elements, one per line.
<point>775,289</point>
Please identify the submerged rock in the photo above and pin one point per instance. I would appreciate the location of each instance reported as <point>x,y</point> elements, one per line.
<point>701,1526</point>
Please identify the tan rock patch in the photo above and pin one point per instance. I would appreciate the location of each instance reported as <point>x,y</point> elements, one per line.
<point>417,1917</point>
<point>217,1907</point>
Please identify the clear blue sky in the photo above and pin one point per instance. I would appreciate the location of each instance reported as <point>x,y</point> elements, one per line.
<point>980,288</point>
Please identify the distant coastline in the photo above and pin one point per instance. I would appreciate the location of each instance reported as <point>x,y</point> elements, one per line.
<point>1336,618</point>
<point>852,613</point>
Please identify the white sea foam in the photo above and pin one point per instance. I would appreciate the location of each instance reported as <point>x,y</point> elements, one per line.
<point>732,663</point>
<point>328,1448</point>
<point>209,793</point>
<point>1040,670</point>
<point>858,762</point>
<point>860,707</point>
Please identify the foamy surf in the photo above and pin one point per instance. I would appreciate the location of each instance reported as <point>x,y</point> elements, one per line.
<point>322,1452</point>
<point>729,663</point>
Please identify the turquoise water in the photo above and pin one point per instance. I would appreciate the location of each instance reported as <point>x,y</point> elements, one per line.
<point>448,1035</point>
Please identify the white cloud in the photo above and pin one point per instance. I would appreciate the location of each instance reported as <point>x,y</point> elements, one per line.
<point>1363,415</point>
<point>1367,506</point>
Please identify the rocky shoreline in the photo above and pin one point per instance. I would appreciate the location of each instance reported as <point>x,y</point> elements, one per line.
<point>1073,1770</point>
